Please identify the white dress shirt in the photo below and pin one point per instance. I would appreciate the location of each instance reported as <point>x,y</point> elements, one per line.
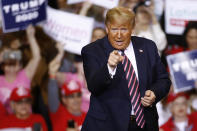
<point>129,52</point>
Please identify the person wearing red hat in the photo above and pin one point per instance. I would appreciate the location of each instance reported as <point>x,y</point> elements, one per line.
<point>67,114</point>
<point>180,120</point>
<point>20,101</point>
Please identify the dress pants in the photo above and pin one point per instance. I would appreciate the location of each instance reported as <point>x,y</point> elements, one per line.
<point>133,126</point>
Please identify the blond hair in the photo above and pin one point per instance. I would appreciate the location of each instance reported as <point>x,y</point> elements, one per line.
<point>120,13</point>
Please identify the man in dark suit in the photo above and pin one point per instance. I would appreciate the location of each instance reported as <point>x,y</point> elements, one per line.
<point>125,77</point>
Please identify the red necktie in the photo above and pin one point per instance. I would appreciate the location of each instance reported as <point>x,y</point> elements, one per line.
<point>133,86</point>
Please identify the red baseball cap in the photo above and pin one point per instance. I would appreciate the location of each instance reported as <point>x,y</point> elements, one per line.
<point>71,87</point>
<point>20,93</point>
<point>172,96</point>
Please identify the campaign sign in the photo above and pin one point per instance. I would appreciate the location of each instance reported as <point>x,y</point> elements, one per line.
<point>18,14</point>
<point>103,3</point>
<point>72,30</point>
<point>74,1</point>
<point>183,69</point>
<point>178,13</point>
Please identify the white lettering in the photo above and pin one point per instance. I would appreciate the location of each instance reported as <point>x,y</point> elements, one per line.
<point>191,76</point>
<point>185,65</point>
<point>7,9</point>
<point>41,2</point>
<point>15,7</point>
<point>24,5</point>
<point>26,17</point>
<point>193,63</point>
<point>176,67</point>
<point>33,3</point>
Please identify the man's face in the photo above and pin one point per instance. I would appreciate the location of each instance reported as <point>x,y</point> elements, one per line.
<point>119,34</point>
<point>72,102</point>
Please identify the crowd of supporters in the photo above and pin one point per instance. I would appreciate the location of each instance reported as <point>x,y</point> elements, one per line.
<point>43,87</point>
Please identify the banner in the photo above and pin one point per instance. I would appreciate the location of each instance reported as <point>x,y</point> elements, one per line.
<point>183,69</point>
<point>18,14</point>
<point>17,129</point>
<point>74,31</point>
<point>178,13</point>
<point>74,1</point>
<point>104,3</point>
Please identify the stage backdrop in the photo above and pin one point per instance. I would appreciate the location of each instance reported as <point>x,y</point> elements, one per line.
<point>183,70</point>
<point>74,31</point>
<point>178,13</point>
<point>18,14</point>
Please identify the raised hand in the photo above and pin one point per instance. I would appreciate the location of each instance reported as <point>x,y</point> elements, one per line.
<point>30,31</point>
<point>114,59</point>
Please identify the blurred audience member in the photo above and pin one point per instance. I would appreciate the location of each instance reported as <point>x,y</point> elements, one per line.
<point>148,27</point>
<point>14,75</point>
<point>78,63</point>
<point>129,3</point>
<point>193,102</point>
<point>85,7</point>
<point>180,120</point>
<point>190,36</point>
<point>20,100</point>
<point>98,33</point>
<point>71,98</point>
<point>159,8</point>
<point>78,75</point>
<point>163,109</point>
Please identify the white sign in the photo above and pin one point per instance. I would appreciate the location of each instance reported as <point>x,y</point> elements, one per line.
<point>74,31</point>
<point>16,129</point>
<point>104,3</point>
<point>74,1</point>
<point>178,13</point>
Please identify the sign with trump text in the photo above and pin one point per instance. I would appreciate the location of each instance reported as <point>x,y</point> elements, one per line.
<point>72,30</point>
<point>183,69</point>
<point>178,13</point>
<point>18,14</point>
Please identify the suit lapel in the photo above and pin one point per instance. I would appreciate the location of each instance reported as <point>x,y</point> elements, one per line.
<point>107,46</point>
<point>140,61</point>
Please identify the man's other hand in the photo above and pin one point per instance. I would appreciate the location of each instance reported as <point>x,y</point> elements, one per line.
<point>148,99</point>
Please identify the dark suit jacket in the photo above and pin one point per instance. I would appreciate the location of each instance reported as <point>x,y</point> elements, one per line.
<point>110,104</point>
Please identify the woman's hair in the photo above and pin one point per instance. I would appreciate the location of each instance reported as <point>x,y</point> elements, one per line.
<point>120,13</point>
<point>189,26</point>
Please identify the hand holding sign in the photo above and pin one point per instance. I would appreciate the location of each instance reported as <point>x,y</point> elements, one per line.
<point>30,31</point>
